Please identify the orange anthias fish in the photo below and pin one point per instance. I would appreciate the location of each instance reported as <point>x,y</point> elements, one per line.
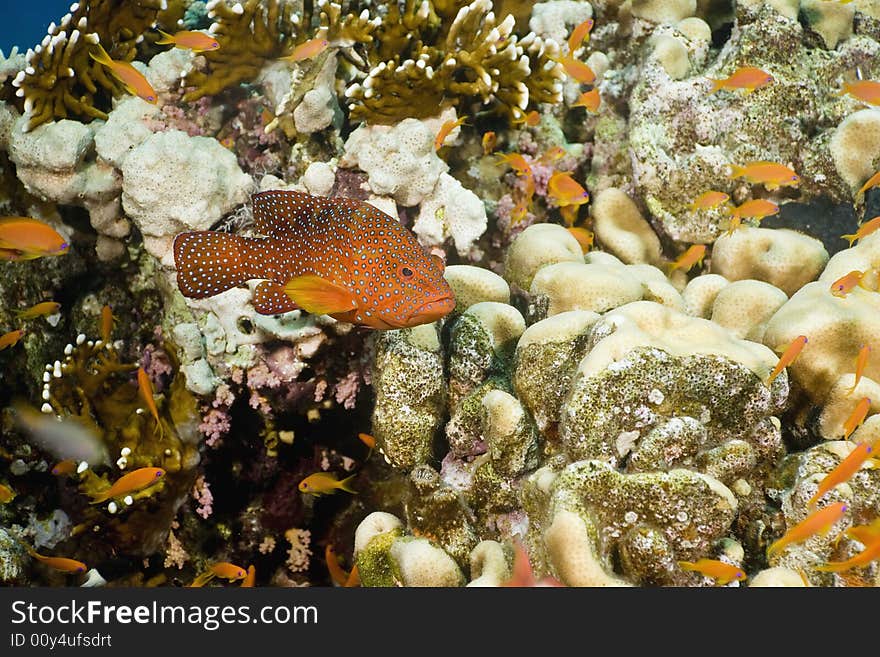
<point>693,256</point>
<point>589,100</point>
<point>818,522</point>
<point>523,575</point>
<point>145,387</point>
<point>340,257</point>
<point>788,357</point>
<point>580,34</point>
<point>516,162</point>
<point>337,573</point>
<point>583,236</point>
<point>771,174</point>
<point>250,579</point>
<point>311,48</point>
<point>65,467</point>
<point>189,40</point>
<point>863,558</point>
<point>61,564</point>
<point>844,470</point>
<point>865,534</point>
<point>325,483</point>
<point>10,339</point>
<point>846,283</point>
<point>858,415</point>
<point>367,440</point>
<point>107,322</point>
<point>6,494</point>
<point>130,483</point>
<point>722,572</point>
<point>23,238</point>
<point>757,209</point>
<point>709,200</point>
<point>577,69</point>
<point>39,310</point>
<point>223,569</point>
<point>565,190</point>
<point>531,119</point>
<point>745,77</point>
<point>131,78</point>
<point>861,363</point>
<point>867,91</point>
<point>553,154</point>
<point>864,230</point>
<point>488,141</point>
<point>444,131</point>
<point>873,181</point>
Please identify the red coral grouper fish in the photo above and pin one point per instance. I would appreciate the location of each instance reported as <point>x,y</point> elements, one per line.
<point>340,257</point>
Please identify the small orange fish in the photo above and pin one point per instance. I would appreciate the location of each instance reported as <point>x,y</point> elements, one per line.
<point>577,69</point>
<point>745,77</point>
<point>250,579</point>
<point>445,129</point>
<point>846,283</point>
<point>788,357</point>
<point>336,256</point>
<point>367,440</point>
<point>61,564</point>
<point>553,154</point>
<point>39,310</point>
<point>107,322</point>
<point>23,238</point>
<point>864,230</point>
<point>6,494</point>
<point>132,79</point>
<point>310,48</point>
<point>873,181</point>
<point>771,174</point>
<point>583,236</point>
<point>589,100</point>
<point>354,578</point>
<point>693,256</point>
<point>223,569</point>
<point>858,415</point>
<point>723,573</point>
<point>130,483</point>
<point>10,339</point>
<point>755,209</point>
<point>65,467</point>
<point>580,34</point>
<point>863,558</point>
<point>867,91</point>
<point>522,574</point>
<point>530,119</point>
<point>844,470</point>
<point>865,534</point>
<point>145,387</point>
<point>337,573</point>
<point>516,162</point>
<point>189,40</point>
<point>861,363</point>
<point>565,190</point>
<point>818,522</point>
<point>488,142</point>
<point>325,483</point>
<point>709,200</point>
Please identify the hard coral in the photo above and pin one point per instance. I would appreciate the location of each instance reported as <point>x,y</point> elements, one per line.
<point>420,62</point>
<point>62,80</point>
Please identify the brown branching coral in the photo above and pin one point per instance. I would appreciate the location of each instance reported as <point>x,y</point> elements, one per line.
<point>61,80</point>
<point>422,60</point>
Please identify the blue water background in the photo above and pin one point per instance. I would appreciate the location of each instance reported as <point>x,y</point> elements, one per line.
<point>24,22</point>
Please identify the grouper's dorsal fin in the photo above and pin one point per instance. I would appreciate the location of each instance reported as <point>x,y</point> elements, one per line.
<point>276,211</point>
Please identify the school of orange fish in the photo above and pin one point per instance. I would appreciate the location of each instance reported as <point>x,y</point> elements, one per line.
<point>393,283</point>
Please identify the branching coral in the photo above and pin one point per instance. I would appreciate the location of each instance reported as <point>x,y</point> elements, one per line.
<point>61,80</point>
<point>419,65</point>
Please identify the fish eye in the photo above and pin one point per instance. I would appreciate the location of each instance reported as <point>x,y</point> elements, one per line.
<point>406,272</point>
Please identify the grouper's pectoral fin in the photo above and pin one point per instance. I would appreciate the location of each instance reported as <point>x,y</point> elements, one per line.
<point>269,299</point>
<point>319,296</point>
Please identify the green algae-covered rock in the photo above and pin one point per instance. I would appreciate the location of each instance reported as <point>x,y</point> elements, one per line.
<point>410,393</point>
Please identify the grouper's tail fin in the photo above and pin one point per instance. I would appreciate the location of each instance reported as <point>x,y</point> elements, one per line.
<point>210,262</point>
